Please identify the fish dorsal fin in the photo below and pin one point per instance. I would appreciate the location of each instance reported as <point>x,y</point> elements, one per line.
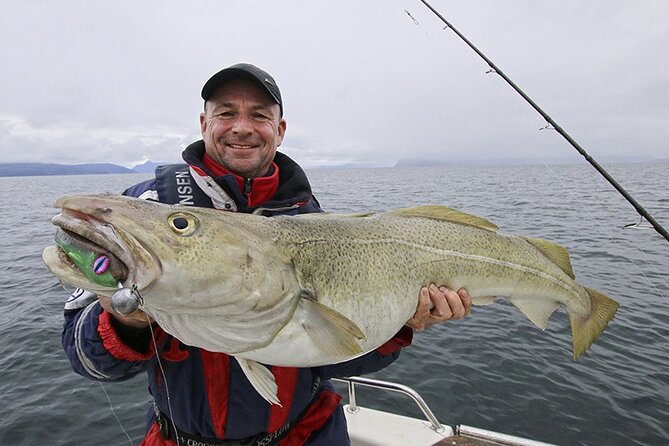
<point>436,212</point>
<point>556,253</point>
<point>330,330</point>
<point>261,378</point>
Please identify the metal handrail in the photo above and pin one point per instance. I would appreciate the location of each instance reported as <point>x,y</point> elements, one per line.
<point>352,381</point>
<point>460,429</point>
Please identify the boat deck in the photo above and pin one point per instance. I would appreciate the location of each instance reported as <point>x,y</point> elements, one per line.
<point>464,440</point>
<point>370,427</point>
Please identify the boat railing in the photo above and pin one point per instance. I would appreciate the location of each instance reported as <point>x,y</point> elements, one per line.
<point>353,381</point>
<point>470,432</point>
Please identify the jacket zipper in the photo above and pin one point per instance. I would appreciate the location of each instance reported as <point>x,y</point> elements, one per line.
<point>248,182</point>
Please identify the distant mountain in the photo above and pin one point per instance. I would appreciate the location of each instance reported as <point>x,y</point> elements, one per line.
<point>455,162</point>
<point>147,167</point>
<point>42,169</point>
<point>574,159</point>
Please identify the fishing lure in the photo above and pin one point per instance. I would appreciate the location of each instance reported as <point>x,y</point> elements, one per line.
<point>94,265</point>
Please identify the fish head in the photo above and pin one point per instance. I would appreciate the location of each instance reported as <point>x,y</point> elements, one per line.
<point>93,229</point>
<point>179,258</point>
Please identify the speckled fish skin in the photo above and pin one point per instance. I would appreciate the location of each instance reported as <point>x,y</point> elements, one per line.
<point>322,288</point>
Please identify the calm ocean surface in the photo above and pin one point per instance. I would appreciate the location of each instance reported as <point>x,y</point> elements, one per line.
<point>492,370</point>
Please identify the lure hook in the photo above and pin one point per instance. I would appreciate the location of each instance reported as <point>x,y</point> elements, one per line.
<point>638,225</point>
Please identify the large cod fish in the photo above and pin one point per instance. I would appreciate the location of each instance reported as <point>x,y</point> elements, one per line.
<point>308,290</point>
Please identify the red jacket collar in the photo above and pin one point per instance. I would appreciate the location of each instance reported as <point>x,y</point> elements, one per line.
<point>257,190</point>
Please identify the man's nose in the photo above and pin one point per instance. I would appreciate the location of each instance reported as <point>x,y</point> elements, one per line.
<point>242,125</point>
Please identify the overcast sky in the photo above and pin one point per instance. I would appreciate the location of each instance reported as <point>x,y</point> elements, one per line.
<point>119,81</point>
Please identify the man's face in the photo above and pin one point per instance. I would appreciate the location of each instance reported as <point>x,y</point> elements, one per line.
<point>241,128</point>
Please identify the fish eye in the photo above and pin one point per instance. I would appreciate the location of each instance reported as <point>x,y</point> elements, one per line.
<point>182,224</point>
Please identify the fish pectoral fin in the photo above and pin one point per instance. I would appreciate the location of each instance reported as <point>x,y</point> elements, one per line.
<point>436,212</point>
<point>330,330</point>
<point>536,310</point>
<point>261,378</point>
<point>556,253</point>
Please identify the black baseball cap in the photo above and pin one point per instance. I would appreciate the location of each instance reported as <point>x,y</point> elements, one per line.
<point>243,71</point>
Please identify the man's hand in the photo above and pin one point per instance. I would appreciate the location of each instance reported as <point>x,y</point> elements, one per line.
<point>440,304</point>
<point>137,318</point>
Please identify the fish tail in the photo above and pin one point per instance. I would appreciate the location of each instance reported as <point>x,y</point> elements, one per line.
<point>586,330</point>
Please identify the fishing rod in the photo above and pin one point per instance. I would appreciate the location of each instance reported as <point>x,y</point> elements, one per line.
<point>556,127</point>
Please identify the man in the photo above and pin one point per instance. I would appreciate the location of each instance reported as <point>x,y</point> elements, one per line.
<point>202,397</point>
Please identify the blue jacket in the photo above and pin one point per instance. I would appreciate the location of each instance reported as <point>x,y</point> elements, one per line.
<point>209,395</point>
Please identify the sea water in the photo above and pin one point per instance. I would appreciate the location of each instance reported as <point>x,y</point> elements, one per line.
<point>493,369</point>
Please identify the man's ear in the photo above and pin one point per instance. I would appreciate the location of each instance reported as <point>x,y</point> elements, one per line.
<point>203,123</point>
<point>282,131</point>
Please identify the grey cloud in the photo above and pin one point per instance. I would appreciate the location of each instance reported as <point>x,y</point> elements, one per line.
<point>361,80</point>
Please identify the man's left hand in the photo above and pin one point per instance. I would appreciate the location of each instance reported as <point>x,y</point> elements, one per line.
<point>439,304</point>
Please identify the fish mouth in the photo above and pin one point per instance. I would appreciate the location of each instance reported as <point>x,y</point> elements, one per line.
<point>71,246</point>
<point>97,254</point>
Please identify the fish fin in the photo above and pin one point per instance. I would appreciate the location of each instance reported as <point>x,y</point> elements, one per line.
<point>556,253</point>
<point>436,212</point>
<point>483,300</point>
<point>586,330</point>
<point>536,310</point>
<point>331,330</point>
<point>261,378</point>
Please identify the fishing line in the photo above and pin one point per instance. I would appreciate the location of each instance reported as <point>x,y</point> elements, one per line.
<point>162,372</point>
<point>111,406</point>
<point>551,125</point>
<point>167,390</point>
<point>554,125</point>
<point>607,234</point>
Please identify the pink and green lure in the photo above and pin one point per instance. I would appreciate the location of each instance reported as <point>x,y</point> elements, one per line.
<point>93,265</point>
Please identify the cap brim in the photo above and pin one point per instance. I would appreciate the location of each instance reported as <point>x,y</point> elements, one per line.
<point>229,74</point>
